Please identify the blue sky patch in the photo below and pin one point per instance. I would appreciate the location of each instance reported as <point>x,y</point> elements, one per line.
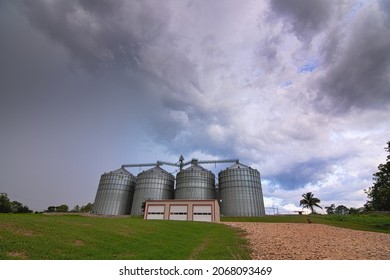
<point>286,83</point>
<point>308,67</point>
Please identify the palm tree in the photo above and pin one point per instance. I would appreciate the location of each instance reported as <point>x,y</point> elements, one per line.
<point>309,201</point>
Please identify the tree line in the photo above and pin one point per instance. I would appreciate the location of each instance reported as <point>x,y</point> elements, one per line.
<point>65,208</point>
<point>8,206</point>
<point>310,202</point>
<point>343,210</point>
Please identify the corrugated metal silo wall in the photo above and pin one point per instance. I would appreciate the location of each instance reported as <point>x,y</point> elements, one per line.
<point>114,195</point>
<point>241,193</point>
<point>195,183</point>
<point>156,184</point>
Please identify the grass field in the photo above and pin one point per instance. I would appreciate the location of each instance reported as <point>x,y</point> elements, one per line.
<point>375,223</point>
<point>75,237</point>
<point>57,237</point>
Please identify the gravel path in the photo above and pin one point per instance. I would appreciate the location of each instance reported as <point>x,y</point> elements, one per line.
<point>289,241</point>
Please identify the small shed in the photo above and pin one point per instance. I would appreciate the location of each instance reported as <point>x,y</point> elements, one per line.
<point>206,210</point>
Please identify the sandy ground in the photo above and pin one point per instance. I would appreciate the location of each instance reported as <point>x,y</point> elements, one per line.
<point>288,241</point>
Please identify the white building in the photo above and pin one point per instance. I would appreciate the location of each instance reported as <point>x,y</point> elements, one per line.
<point>182,210</point>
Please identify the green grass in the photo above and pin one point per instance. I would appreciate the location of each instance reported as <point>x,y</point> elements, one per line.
<point>57,237</point>
<point>375,223</point>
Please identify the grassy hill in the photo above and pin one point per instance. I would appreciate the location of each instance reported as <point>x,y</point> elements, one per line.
<point>48,237</point>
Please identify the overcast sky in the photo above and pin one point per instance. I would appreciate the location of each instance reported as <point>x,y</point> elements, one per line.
<point>299,90</point>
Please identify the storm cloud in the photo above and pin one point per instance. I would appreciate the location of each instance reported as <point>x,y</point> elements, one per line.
<point>297,89</point>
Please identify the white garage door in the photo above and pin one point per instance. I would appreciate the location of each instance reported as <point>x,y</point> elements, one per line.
<point>178,212</point>
<point>155,212</point>
<point>202,213</point>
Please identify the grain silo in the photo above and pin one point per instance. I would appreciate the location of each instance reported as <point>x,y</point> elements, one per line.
<point>241,194</point>
<point>153,184</point>
<point>195,182</point>
<point>115,193</point>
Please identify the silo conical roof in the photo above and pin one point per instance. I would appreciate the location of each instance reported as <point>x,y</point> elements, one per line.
<point>238,166</point>
<point>121,171</point>
<point>196,167</point>
<point>156,169</point>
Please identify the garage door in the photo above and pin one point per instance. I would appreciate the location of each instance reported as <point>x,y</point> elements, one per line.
<point>155,212</point>
<point>202,213</point>
<point>178,212</point>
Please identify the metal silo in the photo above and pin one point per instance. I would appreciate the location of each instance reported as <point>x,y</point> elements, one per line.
<point>241,194</point>
<point>195,182</point>
<point>115,193</point>
<point>155,183</point>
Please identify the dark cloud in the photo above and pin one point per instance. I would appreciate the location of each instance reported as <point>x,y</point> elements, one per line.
<point>89,85</point>
<point>269,51</point>
<point>357,65</point>
<point>305,18</point>
<point>354,55</point>
<point>385,8</point>
<point>299,174</point>
<point>99,34</point>
<point>125,41</point>
<point>133,38</point>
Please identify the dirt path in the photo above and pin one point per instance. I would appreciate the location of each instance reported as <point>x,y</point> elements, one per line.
<point>288,241</point>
